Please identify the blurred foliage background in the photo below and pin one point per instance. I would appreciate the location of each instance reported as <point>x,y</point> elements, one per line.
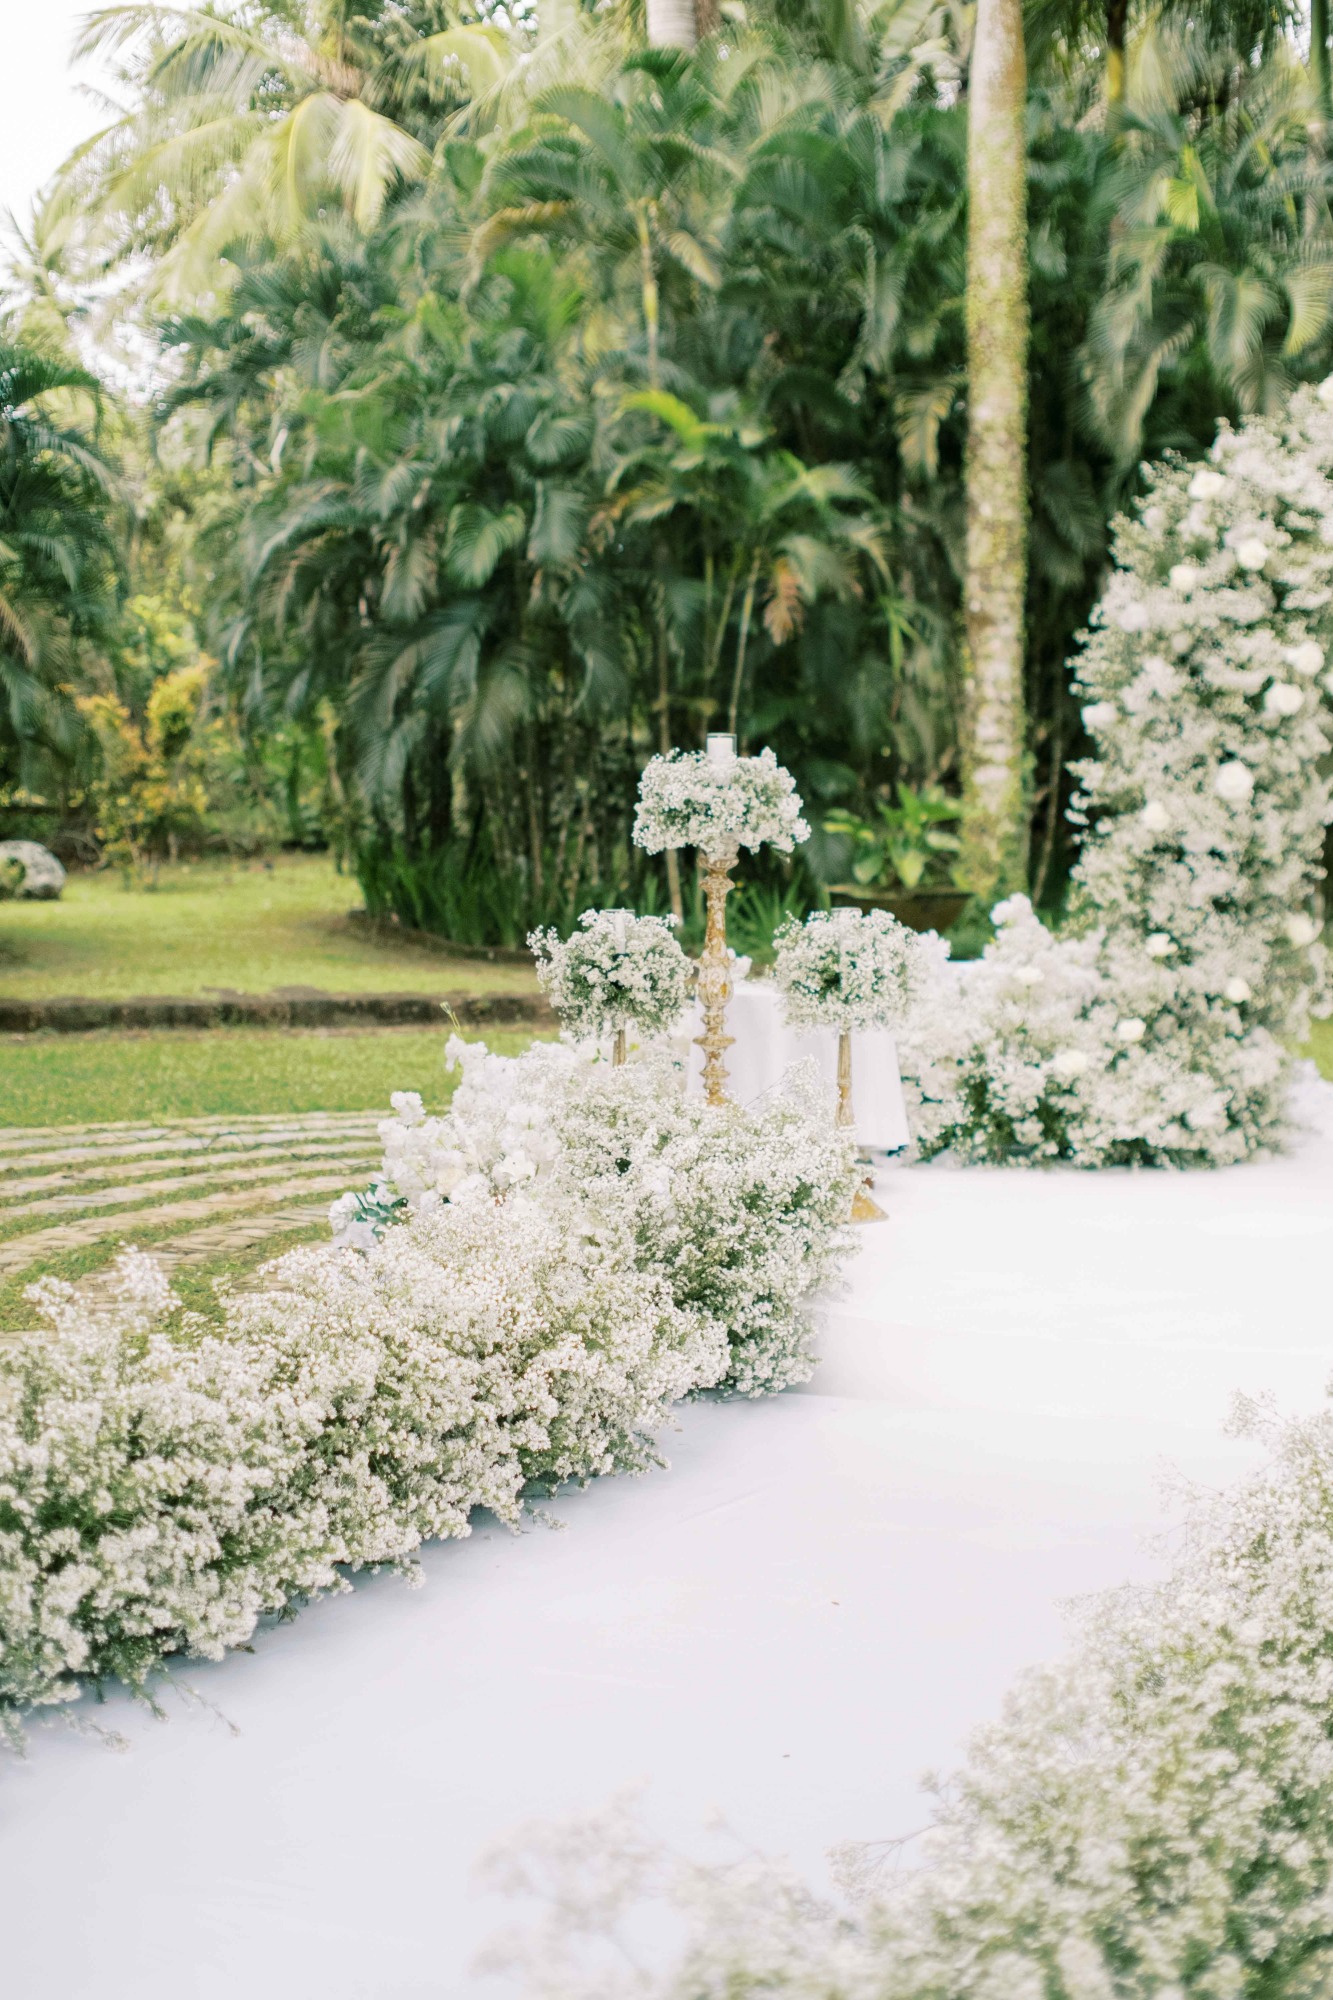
<point>412,417</point>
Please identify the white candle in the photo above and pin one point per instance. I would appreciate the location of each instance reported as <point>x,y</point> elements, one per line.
<point>722,750</point>
<point>619,925</point>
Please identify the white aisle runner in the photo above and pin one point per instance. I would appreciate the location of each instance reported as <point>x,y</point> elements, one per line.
<point>817,1601</point>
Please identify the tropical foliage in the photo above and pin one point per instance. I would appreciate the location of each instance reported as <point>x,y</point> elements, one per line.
<point>555,399</point>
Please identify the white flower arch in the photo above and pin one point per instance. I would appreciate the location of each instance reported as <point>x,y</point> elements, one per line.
<point>1162,1031</point>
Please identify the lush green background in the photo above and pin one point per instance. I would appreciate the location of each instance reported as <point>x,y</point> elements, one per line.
<point>248,926</point>
<point>547,400</point>
<point>55,1079</point>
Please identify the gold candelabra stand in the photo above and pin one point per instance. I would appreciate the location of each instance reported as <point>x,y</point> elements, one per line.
<point>713,980</point>
<point>864,1206</point>
<point>618,1048</point>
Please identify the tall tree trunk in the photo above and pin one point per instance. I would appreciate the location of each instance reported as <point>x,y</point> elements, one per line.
<point>1319,65</point>
<point>665,746</point>
<point>671,24</point>
<point>995,831</point>
<point>1117,23</point>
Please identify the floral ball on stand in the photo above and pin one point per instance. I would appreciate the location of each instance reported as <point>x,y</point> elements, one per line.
<point>850,970</point>
<point>717,802</point>
<point>618,971</point>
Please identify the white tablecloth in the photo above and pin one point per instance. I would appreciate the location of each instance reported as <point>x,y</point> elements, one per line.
<point>764,1047</point>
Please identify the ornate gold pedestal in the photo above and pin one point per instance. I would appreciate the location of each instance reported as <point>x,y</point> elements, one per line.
<point>618,1048</point>
<point>864,1207</point>
<point>714,975</point>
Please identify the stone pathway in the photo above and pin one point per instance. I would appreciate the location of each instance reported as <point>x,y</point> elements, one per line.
<point>194,1188</point>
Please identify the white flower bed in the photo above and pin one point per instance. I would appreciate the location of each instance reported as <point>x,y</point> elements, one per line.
<point>618,971</point>
<point>1161,1034</point>
<point>582,1247</point>
<point>737,1208</point>
<point>687,799</point>
<point>848,969</point>
<point>1151,1816</point>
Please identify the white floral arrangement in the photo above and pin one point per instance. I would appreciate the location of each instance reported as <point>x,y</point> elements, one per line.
<point>1150,1815</point>
<point>848,969</point>
<point>159,1494</point>
<point>1194,955</point>
<point>1031,1056</point>
<point>738,1213</point>
<point>533,1279</point>
<point>689,799</point>
<point>617,971</point>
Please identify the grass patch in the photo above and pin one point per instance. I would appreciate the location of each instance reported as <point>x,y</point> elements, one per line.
<point>1320,1046</point>
<point>187,1073</point>
<point>249,927</point>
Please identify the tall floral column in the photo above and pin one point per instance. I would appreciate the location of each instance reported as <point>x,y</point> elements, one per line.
<point>616,972</point>
<point>848,970</point>
<point>717,802</point>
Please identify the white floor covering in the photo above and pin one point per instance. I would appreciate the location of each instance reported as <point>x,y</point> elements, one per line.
<point>816,1602</point>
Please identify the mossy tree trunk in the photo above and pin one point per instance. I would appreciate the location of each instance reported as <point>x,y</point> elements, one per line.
<point>671,24</point>
<point>995,827</point>
<point>1319,65</point>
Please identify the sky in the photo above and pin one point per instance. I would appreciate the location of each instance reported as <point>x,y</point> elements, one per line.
<point>43,113</point>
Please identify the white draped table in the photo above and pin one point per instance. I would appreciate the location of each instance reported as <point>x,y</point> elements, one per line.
<point>764,1047</point>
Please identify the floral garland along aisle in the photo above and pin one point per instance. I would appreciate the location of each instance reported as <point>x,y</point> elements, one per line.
<point>1156,1030</point>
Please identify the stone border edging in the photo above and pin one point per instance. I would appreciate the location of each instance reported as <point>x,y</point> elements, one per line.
<point>71,1014</point>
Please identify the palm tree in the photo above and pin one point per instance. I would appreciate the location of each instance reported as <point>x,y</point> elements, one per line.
<point>995,818</point>
<point>633,172</point>
<point>244,125</point>
<point>1221,257</point>
<point>58,550</point>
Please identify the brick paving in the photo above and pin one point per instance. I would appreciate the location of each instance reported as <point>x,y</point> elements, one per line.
<point>194,1188</point>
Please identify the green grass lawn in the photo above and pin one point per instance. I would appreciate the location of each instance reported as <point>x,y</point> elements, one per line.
<point>170,1073</point>
<point>243,926</point>
<point>1320,1046</point>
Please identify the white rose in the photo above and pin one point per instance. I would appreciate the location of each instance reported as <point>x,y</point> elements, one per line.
<point>1130,1031</point>
<point>1069,1062</point>
<point>1252,553</point>
<point>408,1107</point>
<point>1028,975</point>
<point>1305,659</point>
<point>1301,929</point>
<point>1237,990</point>
<point>1325,390</point>
<point>1155,817</point>
<point>1283,698</point>
<point>1234,782</point>
<point>1160,945</point>
<point>1207,484</point>
<point>1183,577</point>
<point>1133,618</point>
<point>1099,715</point>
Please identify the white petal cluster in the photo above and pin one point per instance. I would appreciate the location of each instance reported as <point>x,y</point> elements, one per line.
<point>1195,897</point>
<point>616,971</point>
<point>533,1280</point>
<point>1151,1817</point>
<point>687,800</point>
<point>848,969</point>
